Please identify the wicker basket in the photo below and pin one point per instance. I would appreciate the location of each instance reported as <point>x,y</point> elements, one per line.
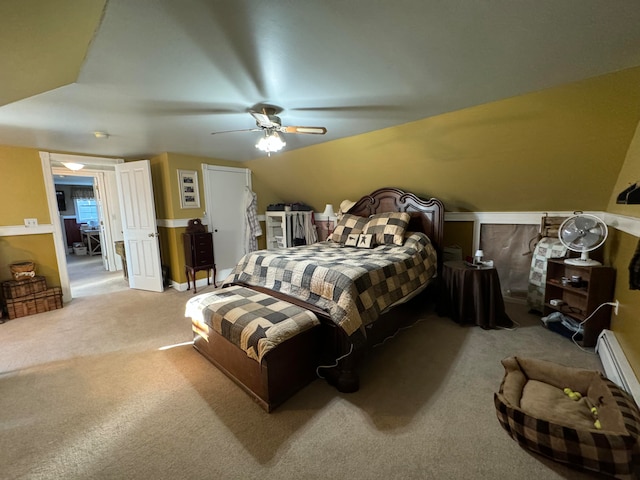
<point>25,286</point>
<point>22,270</point>
<point>50,299</point>
<point>21,307</point>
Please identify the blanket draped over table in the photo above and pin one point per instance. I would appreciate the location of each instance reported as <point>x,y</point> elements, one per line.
<point>353,285</point>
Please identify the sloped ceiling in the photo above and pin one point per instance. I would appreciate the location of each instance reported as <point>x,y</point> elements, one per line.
<point>43,44</point>
<point>161,75</point>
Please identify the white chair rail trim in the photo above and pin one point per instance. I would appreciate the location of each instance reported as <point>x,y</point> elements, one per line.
<point>630,225</point>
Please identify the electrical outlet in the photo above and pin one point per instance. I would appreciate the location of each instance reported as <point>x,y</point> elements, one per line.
<point>615,307</point>
<point>30,222</point>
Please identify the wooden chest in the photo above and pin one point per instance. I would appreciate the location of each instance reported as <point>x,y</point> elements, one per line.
<point>49,299</point>
<point>20,288</point>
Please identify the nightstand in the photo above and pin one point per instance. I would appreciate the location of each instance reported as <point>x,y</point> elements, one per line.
<point>473,295</point>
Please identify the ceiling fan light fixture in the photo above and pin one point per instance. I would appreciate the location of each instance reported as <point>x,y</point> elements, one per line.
<point>73,166</point>
<point>271,142</point>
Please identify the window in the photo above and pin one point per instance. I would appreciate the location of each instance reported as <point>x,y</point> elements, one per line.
<point>86,210</point>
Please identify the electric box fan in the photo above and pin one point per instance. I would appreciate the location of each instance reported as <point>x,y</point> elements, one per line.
<point>582,233</point>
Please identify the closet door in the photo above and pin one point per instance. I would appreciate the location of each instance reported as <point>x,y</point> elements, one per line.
<point>224,189</point>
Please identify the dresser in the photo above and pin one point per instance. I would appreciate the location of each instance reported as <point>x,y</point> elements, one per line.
<point>198,255</point>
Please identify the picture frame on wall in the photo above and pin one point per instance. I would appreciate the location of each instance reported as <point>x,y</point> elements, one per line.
<point>189,191</point>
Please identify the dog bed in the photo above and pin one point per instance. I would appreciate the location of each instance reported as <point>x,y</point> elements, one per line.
<point>597,428</point>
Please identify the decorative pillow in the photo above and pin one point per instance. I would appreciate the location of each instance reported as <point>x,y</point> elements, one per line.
<point>388,228</point>
<point>360,241</point>
<point>365,241</point>
<point>352,240</point>
<point>348,224</point>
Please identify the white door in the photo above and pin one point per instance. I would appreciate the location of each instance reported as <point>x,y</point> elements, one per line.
<point>225,198</point>
<point>97,189</point>
<point>139,227</point>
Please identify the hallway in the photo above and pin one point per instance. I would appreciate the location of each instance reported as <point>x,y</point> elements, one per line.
<point>88,277</point>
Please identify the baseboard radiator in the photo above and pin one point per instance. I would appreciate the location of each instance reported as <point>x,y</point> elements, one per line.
<point>615,363</point>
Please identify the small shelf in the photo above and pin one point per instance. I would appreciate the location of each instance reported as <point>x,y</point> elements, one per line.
<point>280,227</point>
<point>580,302</point>
<point>569,288</point>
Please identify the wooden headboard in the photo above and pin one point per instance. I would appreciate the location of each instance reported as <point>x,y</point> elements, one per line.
<point>426,215</point>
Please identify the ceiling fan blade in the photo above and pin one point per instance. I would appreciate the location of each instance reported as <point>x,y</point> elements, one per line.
<point>241,130</point>
<point>351,108</point>
<point>312,130</point>
<point>263,120</point>
<point>170,108</point>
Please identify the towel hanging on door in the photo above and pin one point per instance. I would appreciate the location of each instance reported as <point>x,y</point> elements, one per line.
<point>252,227</point>
<point>298,230</point>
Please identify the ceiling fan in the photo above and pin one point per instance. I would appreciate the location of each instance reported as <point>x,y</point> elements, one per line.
<point>268,122</point>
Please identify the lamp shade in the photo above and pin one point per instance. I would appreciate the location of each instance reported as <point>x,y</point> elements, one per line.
<point>73,166</point>
<point>328,211</point>
<point>271,142</point>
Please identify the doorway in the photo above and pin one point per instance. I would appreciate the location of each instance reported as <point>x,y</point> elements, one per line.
<point>225,193</point>
<point>88,277</point>
<point>89,268</point>
<point>107,267</point>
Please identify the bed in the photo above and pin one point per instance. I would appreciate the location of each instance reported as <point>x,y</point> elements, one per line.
<point>352,290</point>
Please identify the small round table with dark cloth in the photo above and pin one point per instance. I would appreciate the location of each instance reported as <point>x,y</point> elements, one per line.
<point>473,295</point>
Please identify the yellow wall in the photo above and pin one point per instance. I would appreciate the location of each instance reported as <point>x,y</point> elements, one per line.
<point>629,174</point>
<point>626,324</point>
<point>35,248</point>
<point>164,172</point>
<point>622,247</point>
<point>22,195</point>
<point>459,234</point>
<point>44,44</point>
<point>558,149</point>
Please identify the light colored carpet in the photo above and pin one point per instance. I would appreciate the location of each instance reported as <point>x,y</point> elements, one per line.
<point>88,392</point>
<point>87,276</point>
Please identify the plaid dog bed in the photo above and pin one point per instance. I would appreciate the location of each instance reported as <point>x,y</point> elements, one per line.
<point>253,321</point>
<point>613,450</point>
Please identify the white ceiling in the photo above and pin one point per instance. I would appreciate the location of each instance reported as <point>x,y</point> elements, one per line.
<point>161,75</point>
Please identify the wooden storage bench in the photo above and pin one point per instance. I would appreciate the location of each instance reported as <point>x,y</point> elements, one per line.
<point>269,347</point>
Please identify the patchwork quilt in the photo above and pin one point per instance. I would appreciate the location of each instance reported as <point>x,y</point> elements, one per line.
<point>353,285</point>
<point>253,321</point>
